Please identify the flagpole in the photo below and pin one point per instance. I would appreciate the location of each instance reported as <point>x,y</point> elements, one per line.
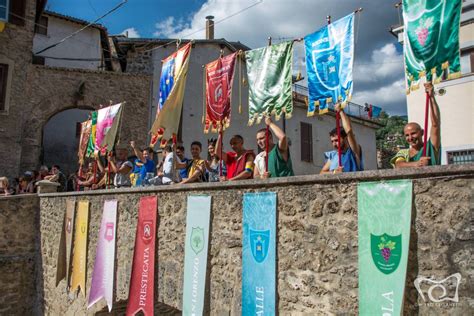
<point>338,119</point>
<point>267,130</point>
<point>425,132</point>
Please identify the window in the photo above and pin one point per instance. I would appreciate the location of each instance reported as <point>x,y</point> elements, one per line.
<point>38,60</point>
<point>4,10</point>
<point>17,12</point>
<point>460,157</point>
<point>3,86</point>
<point>306,142</point>
<point>42,26</point>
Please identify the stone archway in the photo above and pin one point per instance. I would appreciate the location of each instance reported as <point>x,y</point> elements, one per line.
<point>61,138</point>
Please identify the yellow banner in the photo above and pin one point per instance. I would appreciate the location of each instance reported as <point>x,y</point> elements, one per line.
<point>79,257</point>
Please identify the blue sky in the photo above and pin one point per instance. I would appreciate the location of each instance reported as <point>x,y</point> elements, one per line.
<point>378,66</point>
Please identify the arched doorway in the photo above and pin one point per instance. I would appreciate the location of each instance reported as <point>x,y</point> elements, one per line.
<point>61,139</point>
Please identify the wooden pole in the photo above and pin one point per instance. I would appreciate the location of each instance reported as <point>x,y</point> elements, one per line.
<point>425,132</point>
<point>267,130</point>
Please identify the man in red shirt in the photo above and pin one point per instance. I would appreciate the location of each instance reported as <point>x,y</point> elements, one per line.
<point>239,162</point>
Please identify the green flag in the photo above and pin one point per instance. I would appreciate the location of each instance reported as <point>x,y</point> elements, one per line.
<point>91,144</point>
<point>431,40</point>
<point>384,236</point>
<point>269,75</point>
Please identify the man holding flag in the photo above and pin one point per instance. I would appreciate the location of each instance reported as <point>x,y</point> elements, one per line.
<point>239,162</point>
<point>351,152</point>
<point>413,156</point>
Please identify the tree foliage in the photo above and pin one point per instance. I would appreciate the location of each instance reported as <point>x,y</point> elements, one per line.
<point>391,135</point>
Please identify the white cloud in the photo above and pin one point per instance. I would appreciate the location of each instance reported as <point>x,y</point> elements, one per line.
<point>384,63</point>
<point>132,32</point>
<point>169,27</point>
<point>388,97</point>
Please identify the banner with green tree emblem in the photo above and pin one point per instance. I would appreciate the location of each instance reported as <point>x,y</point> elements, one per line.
<point>384,236</point>
<point>195,253</point>
<point>431,40</point>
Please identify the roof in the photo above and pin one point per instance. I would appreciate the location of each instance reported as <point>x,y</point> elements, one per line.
<point>233,46</point>
<point>73,19</point>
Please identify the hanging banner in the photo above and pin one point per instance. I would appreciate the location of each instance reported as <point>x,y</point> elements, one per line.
<point>91,145</point>
<point>258,254</point>
<point>141,294</point>
<point>172,83</point>
<point>431,40</point>
<point>102,284</point>
<point>79,258</point>
<point>269,72</point>
<point>329,61</point>
<point>108,120</point>
<point>219,79</point>
<point>84,140</point>
<point>65,243</point>
<point>384,236</point>
<point>195,254</point>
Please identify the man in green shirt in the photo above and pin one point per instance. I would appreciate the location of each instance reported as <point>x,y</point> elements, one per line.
<point>412,157</point>
<point>279,160</point>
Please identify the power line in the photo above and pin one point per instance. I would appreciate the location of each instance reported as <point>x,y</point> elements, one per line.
<point>83,28</point>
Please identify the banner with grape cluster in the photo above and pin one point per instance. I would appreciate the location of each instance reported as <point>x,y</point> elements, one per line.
<point>384,236</point>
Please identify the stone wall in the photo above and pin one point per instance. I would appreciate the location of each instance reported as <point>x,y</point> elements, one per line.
<point>19,250</point>
<point>317,241</point>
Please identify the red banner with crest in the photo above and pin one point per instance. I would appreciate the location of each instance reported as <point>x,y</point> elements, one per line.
<point>219,78</point>
<point>141,294</point>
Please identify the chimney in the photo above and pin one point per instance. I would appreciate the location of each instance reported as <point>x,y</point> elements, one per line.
<point>209,27</point>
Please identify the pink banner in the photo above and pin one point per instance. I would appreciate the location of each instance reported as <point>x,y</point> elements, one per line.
<point>105,120</point>
<point>102,284</point>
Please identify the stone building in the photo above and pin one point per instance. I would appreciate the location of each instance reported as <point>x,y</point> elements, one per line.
<point>30,95</point>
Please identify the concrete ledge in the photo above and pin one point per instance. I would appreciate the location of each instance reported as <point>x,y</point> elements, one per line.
<point>447,171</point>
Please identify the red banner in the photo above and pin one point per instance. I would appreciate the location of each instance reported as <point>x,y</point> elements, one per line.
<point>219,77</point>
<point>141,295</point>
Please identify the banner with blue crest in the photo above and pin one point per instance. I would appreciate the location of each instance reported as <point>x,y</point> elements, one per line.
<point>329,61</point>
<point>258,254</point>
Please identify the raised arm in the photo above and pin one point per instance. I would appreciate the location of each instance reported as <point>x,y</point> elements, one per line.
<point>435,132</point>
<point>97,160</point>
<point>346,124</point>
<point>137,152</point>
<point>280,135</point>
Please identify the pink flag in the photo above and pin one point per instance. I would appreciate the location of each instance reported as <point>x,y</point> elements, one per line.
<point>105,120</point>
<point>102,284</point>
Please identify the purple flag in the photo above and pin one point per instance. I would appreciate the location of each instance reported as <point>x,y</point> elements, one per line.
<point>102,284</point>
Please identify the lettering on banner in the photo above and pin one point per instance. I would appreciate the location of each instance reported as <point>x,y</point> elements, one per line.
<point>259,300</point>
<point>195,284</point>
<point>388,311</point>
<point>144,279</point>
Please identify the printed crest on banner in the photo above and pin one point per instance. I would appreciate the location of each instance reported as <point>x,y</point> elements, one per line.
<point>259,243</point>
<point>147,231</point>
<point>83,227</point>
<point>327,64</point>
<point>386,252</point>
<point>109,231</point>
<point>197,239</point>
<point>219,91</point>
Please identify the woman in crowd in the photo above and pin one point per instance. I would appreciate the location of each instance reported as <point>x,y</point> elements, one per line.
<point>4,187</point>
<point>212,163</point>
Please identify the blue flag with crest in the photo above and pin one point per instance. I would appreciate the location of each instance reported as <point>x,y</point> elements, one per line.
<point>329,61</point>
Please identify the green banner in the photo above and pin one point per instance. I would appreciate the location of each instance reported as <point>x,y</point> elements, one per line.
<point>384,236</point>
<point>269,74</point>
<point>431,39</point>
<point>195,253</point>
<point>91,144</point>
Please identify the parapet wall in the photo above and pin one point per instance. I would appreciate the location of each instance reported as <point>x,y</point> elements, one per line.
<point>316,248</point>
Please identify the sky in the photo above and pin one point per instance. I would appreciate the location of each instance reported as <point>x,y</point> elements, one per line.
<point>378,65</point>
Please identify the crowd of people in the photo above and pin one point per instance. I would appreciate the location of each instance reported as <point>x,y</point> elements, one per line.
<point>142,168</point>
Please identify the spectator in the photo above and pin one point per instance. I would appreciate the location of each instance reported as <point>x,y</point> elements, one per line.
<point>351,152</point>
<point>89,179</point>
<point>24,184</point>
<point>413,156</point>
<point>213,164</point>
<point>183,172</point>
<point>196,167</point>
<point>239,162</point>
<point>279,160</point>
<point>122,168</point>
<point>43,172</point>
<point>143,166</point>
<point>4,187</point>
<point>166,175</point>
<point>59,177</point>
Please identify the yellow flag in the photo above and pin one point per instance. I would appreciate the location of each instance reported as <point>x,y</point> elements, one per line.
<point>79,257</point>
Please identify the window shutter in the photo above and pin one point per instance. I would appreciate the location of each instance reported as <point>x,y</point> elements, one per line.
<point>306,132</point>
<point>3,85</point>
<point>17,12</point>
<point>3,10</point>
